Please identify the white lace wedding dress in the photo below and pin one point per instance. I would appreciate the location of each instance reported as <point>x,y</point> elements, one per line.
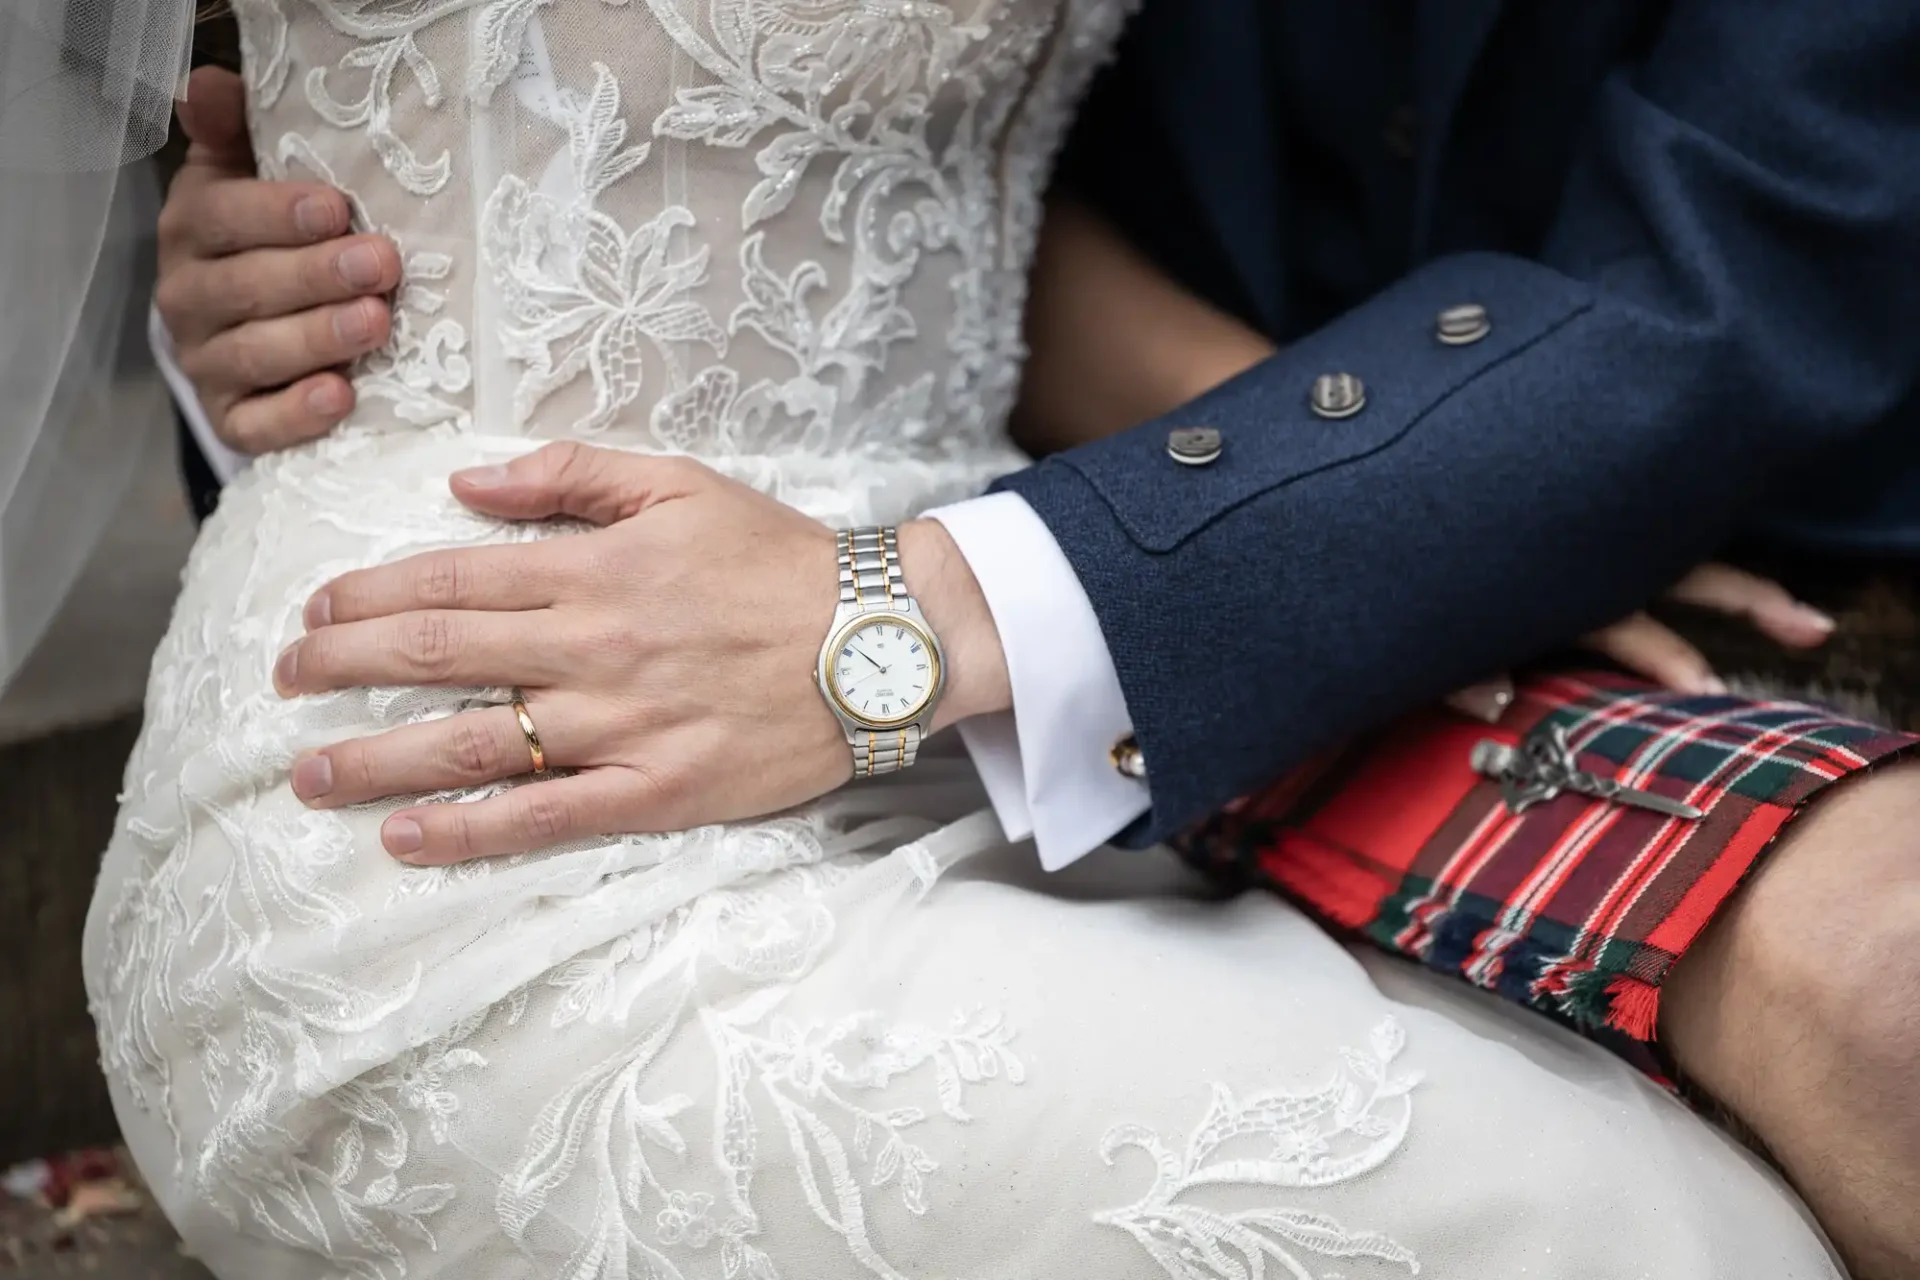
<point>787,237</point>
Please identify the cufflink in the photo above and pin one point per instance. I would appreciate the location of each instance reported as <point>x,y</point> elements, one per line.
<point>1127,758</point>
<point>1487,701</point>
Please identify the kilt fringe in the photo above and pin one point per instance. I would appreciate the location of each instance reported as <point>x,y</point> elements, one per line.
<point>1523,969</point>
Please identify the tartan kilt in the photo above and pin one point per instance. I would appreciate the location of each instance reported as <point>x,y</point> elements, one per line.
<point>1576,907</point>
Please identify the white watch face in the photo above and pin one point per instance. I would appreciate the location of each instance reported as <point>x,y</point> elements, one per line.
<point>884,671</point>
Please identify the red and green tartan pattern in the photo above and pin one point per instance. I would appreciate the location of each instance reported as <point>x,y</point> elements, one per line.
<point>1576,908</point>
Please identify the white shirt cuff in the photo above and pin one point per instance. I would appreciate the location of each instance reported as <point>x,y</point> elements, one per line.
<point>1046,766</point>
<point>225,462</point>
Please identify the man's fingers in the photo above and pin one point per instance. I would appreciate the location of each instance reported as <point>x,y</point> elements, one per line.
<point>253,213</point>
<point>275,420</point>
<point>536,816</point>
<point>201,298</point>
<point>465,750</point>
<point>212,213</point>
<point>1650,649</point>
<point>213,115</point>
<point>273,353</point>
<point>602,486</point>
<point>433,647</point>
<point>1767,604</point>
<point>1653,650</point>
<point>498,579</point>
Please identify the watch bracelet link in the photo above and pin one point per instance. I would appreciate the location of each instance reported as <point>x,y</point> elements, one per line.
<point>870,573</point>
<point>871,580</point>
<point>878,751</point>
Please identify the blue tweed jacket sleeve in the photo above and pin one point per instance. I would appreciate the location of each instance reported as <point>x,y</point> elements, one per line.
<point>1732,281</point>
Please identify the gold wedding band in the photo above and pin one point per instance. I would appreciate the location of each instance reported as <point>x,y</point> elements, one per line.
<point>532,734</point>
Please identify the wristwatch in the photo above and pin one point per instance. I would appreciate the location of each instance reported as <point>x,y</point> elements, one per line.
<point>881,667</point>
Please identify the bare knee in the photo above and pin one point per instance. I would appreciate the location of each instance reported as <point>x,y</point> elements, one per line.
<point>1810,955</point>
<point>1819,956</point>
<point>1796,1010</point>
<point>1864,1004</point>
<point>1840,930</point>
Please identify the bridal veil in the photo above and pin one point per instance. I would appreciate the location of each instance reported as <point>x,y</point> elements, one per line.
<point>86,93</point>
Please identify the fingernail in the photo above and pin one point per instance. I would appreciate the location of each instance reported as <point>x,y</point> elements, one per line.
<point>1710,686</point>
<point>325,401</point>
<point>351,325</point>
<point>1814,618</point>
<point>313,777</point>
<point>287,667</point>
<point>484,477</point>
<point>319,611</point>
<point>359,267</point>
<point>402,836</point>
<point>314,217</point>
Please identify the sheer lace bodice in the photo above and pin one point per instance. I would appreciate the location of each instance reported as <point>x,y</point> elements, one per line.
<point>719,227</point>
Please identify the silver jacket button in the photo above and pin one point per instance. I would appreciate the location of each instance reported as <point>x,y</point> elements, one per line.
<point>1193,446</point>
<point>1338,395</point>
<point>1460,326</point>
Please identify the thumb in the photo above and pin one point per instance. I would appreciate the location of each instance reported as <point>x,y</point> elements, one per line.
<point>601,486</point>
<point>213,115</point>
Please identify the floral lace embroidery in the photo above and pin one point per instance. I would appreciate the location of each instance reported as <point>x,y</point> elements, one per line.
<point>311,1102</point>
<point>385,34</point>
<point>582,294</point>
<point>853,90</point>
<point>817,1077</point>
<point>1341,1131</point>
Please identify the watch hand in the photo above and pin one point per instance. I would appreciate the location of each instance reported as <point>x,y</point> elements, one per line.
<point>870,662</point>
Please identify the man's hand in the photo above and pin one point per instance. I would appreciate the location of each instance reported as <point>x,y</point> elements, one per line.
<point>1648,647</point>
<point>260,285</point>
<point>667,658</point>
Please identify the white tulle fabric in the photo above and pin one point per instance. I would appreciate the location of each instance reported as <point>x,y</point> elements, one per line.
<point>86,89</point>
<point>788,237</point>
